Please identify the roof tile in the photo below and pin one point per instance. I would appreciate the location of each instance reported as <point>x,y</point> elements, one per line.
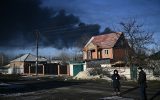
<point>106,40</point>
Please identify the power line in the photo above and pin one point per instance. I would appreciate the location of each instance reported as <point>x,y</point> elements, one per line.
<point>61,32</point>
<point>55,27</point>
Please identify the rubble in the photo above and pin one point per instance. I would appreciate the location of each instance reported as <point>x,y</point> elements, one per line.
<point>86,75</point>
<point>106,78</point>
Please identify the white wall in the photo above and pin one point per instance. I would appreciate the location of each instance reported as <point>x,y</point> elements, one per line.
<point>121,70</point>
<point>149,74</point>
<point>71,69</point>
<point>126,72</point>
<point>16,70</point>
<point>84,67</point>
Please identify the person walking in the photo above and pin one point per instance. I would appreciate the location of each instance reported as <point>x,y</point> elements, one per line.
<point>116,83</point>
<point>142,83</point>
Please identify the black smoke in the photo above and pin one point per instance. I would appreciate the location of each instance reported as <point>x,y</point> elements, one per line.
<point>21,18</point>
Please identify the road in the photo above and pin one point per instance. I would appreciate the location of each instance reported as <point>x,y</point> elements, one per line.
<point>70,90</point>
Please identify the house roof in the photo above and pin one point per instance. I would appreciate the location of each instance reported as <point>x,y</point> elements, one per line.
<point>29,57</point>
<point>105,40</point>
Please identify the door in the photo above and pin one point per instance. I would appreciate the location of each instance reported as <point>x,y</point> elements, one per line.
<point>77,69</point>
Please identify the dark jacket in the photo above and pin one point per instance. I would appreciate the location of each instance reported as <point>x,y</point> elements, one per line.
<point>116,78</point>
<point>142,78</point>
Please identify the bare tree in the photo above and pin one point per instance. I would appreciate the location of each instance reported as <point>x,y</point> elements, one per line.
<point>138,38</point>
<point>154,59</point>
<point>4,59</point>
<point>64,57</point>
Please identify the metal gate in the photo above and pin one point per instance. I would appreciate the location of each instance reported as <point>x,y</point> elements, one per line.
<point>133,72</point>
<point>77,69</point>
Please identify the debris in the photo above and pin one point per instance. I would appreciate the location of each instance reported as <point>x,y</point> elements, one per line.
<point>86,75</point>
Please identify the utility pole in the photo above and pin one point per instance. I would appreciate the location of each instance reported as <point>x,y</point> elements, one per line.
<point>37,38</point>
<point>2,60</point>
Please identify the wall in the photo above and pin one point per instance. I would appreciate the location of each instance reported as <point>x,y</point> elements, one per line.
<point>120,54</point>
<point>90,47</point>
<point>94,54</point>
<point>16,64</point>
<point>109,55</point>
<point>149,74</point>
<point>13,70</point>
<point>123,71</point>
<point>16,68</point>
<point>84,55</point>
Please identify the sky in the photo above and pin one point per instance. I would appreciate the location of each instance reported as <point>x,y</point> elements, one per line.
<point>112,12</point>
<point>20,18</point>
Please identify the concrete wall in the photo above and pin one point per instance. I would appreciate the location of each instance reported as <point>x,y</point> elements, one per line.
<point>71,69</point>
<point>16,68</point>
<point>149,74</point>
<point>123,71</point>
<point>13,70</point>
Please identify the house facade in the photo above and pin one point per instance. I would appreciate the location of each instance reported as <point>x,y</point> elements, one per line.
<point>111,46</point>
<point>26,64</point>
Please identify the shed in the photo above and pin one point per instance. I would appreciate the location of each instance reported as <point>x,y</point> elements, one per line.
<point>26,64</point>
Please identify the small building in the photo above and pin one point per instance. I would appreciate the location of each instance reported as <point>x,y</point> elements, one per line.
<point>26,65</point>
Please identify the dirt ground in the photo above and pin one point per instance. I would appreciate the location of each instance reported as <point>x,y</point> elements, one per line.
<point>75,90</point>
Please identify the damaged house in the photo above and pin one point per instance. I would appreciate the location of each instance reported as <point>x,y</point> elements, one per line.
<point>112,46</point>
<point>110,51</point>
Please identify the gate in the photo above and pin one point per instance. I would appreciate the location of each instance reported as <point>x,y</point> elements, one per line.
<point>133,72</point>
<point>77,69</point>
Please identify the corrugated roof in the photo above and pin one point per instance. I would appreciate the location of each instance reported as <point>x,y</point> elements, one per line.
<point>105,40</point>
<point>22,58</point>
<point>29,57</point>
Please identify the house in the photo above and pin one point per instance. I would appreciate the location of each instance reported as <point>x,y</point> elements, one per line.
<point>110,51</point>
<point>112,46</point>
<point>26,64</point>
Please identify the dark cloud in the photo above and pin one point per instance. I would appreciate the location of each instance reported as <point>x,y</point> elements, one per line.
<point>20,18</point>
<point>111,12</point>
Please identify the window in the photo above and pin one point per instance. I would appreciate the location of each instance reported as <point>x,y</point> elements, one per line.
<point>106,51</point>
